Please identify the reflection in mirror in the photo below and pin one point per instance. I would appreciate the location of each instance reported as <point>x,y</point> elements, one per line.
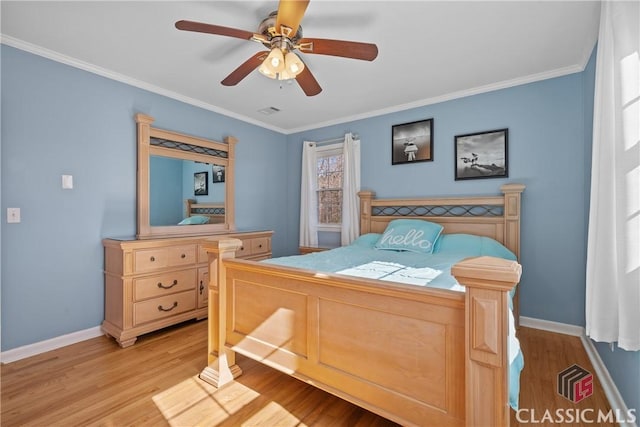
<point>185,183</point>
<point>173,196</point>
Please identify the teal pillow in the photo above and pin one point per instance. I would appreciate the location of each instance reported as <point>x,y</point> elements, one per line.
<point>414,235</point>
<point>196,219</point>
<point>366,240</point>
<point>472,246</point>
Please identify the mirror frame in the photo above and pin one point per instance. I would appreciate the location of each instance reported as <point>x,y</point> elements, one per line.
<point>146,150</point>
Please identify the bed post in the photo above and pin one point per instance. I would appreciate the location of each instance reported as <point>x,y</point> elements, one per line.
<point>488,281</point>
<point>512,197</point>
<point>187,207</point>
<point>222,366</point>
<point>365,211</point>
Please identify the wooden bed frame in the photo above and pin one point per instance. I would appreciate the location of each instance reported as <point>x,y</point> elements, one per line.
<point>215,211</point>
<point>415,355</point>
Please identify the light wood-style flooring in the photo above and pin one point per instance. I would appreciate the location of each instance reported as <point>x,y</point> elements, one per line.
<point>155,383</point>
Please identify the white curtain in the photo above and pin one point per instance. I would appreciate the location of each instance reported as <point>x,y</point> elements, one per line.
<point>308,198</point>
<point>613,252</point>
<point>350,187</point>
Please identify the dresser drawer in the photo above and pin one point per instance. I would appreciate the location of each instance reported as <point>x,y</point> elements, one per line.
<point>245,249</point>
<point>161,307</point>
<point>254,246</point>
<point>163,284</point>
<point>260,245</point>
<point>145,260</point>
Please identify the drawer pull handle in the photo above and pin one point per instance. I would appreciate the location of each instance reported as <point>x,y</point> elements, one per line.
<point>201,287</point>
<point>152,258</point>
<point>183,256</point>
<point>160,285</point>
<point>242,248</point>
<point>260,245</point>
<point>161,308</point>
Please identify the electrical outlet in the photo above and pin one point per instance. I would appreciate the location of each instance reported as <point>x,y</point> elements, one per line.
<point>13,215</point>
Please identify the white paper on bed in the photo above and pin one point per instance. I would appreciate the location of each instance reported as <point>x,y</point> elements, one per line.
<point>394,272</point>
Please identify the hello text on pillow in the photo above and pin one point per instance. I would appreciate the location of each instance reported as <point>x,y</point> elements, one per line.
<point>410,235</point>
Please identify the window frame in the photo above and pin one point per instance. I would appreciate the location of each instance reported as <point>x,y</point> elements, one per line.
<point>326,151</point>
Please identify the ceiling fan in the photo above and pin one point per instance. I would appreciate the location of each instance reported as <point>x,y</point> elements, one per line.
<point>281,33</point>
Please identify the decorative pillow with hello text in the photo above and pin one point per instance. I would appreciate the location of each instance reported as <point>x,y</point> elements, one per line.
<point>413,235</point>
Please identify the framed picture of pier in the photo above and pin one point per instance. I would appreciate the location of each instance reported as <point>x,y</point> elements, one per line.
<point>482,155</point>
<point>218,173</point>
<point>412,142</point>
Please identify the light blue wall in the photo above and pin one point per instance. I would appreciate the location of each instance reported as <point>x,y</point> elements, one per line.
<point>165,193</point>
<point>59,120</point>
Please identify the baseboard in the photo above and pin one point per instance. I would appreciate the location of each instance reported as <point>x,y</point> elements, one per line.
<point>608,386</point>
<point>547,325</point>
<point>48,345</point>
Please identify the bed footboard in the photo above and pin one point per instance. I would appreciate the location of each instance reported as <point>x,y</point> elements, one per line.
<point>411,354</point>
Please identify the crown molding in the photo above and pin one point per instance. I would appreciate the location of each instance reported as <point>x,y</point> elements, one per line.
<point>451,96</point>
<point>58,57</point>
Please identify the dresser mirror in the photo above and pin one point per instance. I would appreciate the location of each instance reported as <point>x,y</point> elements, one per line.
<point>185,183</point>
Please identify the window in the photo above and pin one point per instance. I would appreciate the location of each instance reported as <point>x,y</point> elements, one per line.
<point>329,184</point>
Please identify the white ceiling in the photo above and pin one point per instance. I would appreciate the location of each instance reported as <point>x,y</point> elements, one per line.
<point>429,51</point>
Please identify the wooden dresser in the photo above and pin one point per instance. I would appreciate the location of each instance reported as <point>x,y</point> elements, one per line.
<point>154,283</point>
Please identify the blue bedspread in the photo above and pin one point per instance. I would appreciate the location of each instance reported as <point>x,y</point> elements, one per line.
<point>451,249</point>
<point>362,259</point>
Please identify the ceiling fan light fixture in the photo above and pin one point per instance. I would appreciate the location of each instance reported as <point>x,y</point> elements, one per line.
<point>293,64</point>
<point>265,71</point>
<point>285,75</point>
<point>275,61</point>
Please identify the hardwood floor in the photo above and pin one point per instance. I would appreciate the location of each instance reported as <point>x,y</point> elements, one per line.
<point>154,382</point>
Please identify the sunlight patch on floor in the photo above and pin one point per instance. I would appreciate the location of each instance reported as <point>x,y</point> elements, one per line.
<point>194,402</point>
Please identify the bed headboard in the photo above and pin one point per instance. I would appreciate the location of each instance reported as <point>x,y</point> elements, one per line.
<point>497,217</point>
<point>215,211</point>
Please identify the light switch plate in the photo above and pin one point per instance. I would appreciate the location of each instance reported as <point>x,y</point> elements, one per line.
<point>13,215</point>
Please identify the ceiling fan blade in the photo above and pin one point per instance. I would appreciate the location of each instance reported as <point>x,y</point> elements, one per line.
<point>290,13</point>
<point>243,70</point>
<point>308,83</point>
<point>346,49</point>
<point>201,27</point>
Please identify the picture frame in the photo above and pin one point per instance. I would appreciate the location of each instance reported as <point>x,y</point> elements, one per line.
<point>218,173</point>
<point>482,155</point>
<point>201,184</point>
<point>412,142</point>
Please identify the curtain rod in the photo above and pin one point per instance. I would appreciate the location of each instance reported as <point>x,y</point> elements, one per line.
<point>339,139</point>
